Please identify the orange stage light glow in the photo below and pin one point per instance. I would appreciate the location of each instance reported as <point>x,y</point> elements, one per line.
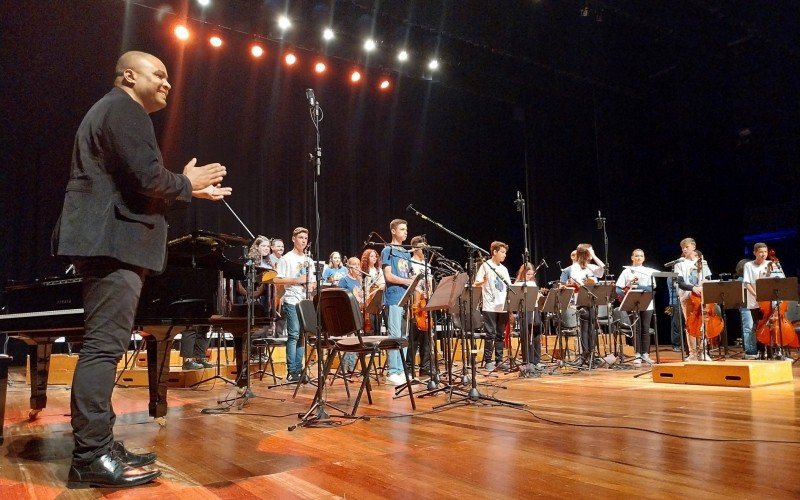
<point>256,50</point>
<point>181,32</point>
<point>290,58</point>
<point>385,84</point>
<point>320,67</point>
<point>215,41</point>
<point>355,76</point>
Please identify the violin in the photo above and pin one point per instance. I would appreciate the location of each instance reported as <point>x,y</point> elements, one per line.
<point>421,316</point>
<point>773,327</point>
<point>628,287</point>
<point>701,317</point>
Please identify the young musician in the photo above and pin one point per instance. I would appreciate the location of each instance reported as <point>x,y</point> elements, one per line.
<point>352,282</point>
<point>396,271</point>
<point>421,342</point>
<point>334,270</point>
<point>753,270</point>
<point>587,268</point>
<point>296,274</point>
<point>532,353</point>
<point>565,272</point>
<point>493,278</point>
<point>371,265</point>
<point>748,328</point>
<point>276,252</point>
<point>638,277</point>
<point>689,282</point>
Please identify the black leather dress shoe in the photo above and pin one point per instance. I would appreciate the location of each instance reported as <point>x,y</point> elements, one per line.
<point>106,471</point>
<point>129,458</point>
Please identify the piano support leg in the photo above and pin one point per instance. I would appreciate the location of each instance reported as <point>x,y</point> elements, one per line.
<point>5,360</point>
<point>157,374</point>
<point>40,371</point>
<point>242,360</point>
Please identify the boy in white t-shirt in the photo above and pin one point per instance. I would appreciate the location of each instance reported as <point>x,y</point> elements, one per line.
<point>753,270</point>
<point>493,278</point>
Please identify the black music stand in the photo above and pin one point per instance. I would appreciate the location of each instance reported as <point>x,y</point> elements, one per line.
<point>776,290</point>
<point>556,304</point>
<point>634,301</point>
<point>592,296</point>
<point>445,298</point>
<point>729,295</point>
<point>405,302</point>
<point>527,302</point>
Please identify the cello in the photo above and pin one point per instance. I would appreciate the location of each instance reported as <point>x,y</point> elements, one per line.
<point>773,328</point>
<point>699,317</point>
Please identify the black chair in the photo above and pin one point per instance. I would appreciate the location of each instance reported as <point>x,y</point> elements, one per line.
<point>307,317</point>
<point>266,345</point>
<point>342,324</point>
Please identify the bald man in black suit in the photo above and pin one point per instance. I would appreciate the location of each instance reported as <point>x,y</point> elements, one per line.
<point>112,228</point>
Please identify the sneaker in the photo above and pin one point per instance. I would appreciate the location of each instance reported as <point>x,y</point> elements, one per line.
<point>204,362</point>
<point>691,357</point>
<point>646,358</point>
<point>676,348</point>
<point>539,366</point>
<point>489,366</point>
<point>191,364</point>
<point>705,357</point>
<point>637,360</point>
<point>293,377</point>
<point>395,379</point>
<point>751,356</point>
<point>503,367</point>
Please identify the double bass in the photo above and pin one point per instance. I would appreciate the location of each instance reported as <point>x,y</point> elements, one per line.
<point>773,328</point>
<point>701,317</point>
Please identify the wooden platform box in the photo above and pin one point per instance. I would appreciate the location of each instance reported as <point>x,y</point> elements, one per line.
<point>724,373</point>
<point>137,377</point>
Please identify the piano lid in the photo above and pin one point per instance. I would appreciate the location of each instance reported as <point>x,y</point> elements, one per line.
<point>206,250</point>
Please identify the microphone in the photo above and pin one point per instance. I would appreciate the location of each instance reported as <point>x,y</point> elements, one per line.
<point>673,262</point>
<point>310,97</point>
<point>369,238</point>
<point>519,202</point>
<point>409,208</point>
<point>544,263</point>
<point>600,220</point>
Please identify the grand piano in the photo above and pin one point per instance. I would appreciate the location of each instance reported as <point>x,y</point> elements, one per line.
<point>191,291</point>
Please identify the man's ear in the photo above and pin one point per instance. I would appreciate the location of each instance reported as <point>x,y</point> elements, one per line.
<point>128,77</point>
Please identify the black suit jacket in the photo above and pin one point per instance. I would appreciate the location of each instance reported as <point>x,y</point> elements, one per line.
<point>118,190</point>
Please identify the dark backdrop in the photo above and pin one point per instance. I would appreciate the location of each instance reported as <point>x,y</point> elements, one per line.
<point>708,151</point>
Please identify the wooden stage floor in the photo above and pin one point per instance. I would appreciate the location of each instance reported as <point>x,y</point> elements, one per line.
<point>593,434</point>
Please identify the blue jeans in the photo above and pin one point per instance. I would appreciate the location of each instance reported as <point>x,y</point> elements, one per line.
<point>395,327</point>
<point>748,334</point>
<point>294,344</point>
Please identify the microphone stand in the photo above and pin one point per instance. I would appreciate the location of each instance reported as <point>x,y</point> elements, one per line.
<point>317,416</point>
<point>524,334</point>
<point>474,395</point>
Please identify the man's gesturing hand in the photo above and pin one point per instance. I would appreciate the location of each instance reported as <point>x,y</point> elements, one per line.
<point>205,176</point>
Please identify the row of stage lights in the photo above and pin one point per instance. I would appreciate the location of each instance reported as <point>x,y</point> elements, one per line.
<point>182,32</point>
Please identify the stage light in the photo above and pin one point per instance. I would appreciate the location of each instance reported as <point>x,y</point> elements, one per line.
<point>355,76</point>
<point>284,23</point>
<point>256,50</point>
<point>402,56</point>
<point>215,41</point>
<point>181,32</point>
<point>203,3</point>
<point>369,44</point>
<point>320,67</point>
<point>433,64</point>
<point>290,59</point>
<point>327,34</point>
<point>385,84</point>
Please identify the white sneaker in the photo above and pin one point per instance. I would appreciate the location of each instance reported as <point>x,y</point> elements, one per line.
<point>395,379</point>
<point>705,357</point>
<point>646,358</point>
<point>691,357</point>
<point>751,356</point>
<point>637,360</point>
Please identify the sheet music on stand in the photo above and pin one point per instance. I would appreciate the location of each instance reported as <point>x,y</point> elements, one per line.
<point>730,293</point>
<point>514,302</point>
<point>636,300</point>
<point>564,296</point>
<point>602,292</point>
<point>445,297</point>
<point>784,289</point>
<point>408,296</point>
